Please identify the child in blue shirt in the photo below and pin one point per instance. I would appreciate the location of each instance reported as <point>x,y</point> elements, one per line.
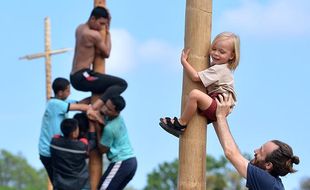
<point>56,110</point>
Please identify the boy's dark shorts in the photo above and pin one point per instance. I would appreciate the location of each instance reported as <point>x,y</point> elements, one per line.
<point>210,113</point>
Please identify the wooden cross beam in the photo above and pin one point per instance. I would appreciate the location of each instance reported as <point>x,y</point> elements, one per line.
<point>47,55</point>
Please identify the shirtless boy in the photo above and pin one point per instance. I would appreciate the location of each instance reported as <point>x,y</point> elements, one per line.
<point>89,44</point>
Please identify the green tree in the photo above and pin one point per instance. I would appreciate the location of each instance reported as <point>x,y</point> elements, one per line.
<point>6,188</point>
<point>126,188</point>
<point>305,184</point>
<point>16,173</point>
<point>215,180</point>
<point>163,178</point>
<point>220,176</point>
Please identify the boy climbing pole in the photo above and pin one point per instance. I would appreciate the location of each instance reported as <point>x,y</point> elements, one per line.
<point>90,44</point>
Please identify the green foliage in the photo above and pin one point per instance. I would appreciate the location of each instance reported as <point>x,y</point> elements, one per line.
<point>164,178</point>
<point>16,173</point>
<point>126,188</point>
<point>219,176</point>
<point>6,188</point>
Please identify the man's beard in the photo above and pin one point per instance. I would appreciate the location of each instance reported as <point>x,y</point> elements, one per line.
<point>259,163</point>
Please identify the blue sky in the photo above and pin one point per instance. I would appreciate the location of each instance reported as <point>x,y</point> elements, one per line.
<point>147,38</point>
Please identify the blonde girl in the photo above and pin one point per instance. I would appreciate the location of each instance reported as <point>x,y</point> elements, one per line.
<point>218,79</point>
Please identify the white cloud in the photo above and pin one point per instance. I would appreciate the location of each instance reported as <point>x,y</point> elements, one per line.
<point>270,19</point>
<point>122,56</point>
<point>127,52</point>
<point>158,51</point>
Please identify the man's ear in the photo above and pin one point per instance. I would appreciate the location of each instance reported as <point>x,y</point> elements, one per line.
<point>269,166</point>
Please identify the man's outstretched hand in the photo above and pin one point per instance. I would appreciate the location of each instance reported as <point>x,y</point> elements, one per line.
<point>224,105</point>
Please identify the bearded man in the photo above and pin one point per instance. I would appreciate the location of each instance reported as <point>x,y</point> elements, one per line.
<point>272,160</point>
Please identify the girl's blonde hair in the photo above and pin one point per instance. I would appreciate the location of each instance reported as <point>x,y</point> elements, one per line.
<point>236,47</point>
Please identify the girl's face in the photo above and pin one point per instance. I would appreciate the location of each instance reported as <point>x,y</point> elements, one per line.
<point>221,51</point>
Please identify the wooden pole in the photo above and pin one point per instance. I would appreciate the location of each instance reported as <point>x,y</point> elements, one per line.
<point>95,158</point>
<point>192,144</point>
<point>48,69</point>
<point>47,55</point>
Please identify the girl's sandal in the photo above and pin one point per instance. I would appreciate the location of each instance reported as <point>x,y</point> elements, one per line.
<point>174,128</point>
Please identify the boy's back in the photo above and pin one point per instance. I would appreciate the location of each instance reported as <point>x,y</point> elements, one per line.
<point>56,110</point>
<point>69,165</point>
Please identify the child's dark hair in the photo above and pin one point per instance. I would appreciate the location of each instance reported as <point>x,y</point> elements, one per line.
<point>83,124</point>
<point>68,126</point>
<point>60,84</point>
<point>99,12</point>
<point>119,102</point>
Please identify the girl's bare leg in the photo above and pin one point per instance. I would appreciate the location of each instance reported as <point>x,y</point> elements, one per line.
<point>196,99</point>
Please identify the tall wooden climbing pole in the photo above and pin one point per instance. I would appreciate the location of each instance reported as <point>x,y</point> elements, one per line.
<point>95,158</point>
<point>192,144</point>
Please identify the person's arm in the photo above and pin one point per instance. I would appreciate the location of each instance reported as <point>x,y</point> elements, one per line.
<point>93,111</point>
<point>226,139</point>
<point>103,149</point>
<point>78,107</point>
<point>104,139</point>
<point>103,46</point>
<point>192,73</point>
<point>85,101</point>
